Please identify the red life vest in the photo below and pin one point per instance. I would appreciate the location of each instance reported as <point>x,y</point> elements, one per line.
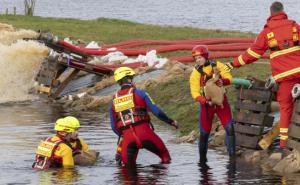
<point>45,157</point>
<point>128,113</point>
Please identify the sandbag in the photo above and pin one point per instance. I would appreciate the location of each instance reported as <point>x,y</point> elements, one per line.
<point>213,92</point>
<point>86,158</point>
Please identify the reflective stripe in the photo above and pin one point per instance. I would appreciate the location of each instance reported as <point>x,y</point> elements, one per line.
<point>252,53</point>
<point>241,61</point>
<point>287,73</point>
<point>284,51</point>
<point>284,130</point>
<point>284,137</point>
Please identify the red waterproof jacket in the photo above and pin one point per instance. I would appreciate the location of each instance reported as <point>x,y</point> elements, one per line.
<point>281,36</point>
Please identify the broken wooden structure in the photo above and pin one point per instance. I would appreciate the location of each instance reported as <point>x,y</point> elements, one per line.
<point>252,114</point>
<point>64,63</point>
<point>57,71</point>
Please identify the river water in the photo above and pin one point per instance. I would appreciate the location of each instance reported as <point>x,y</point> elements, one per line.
<point>241,15</point>
<point>23,125</point>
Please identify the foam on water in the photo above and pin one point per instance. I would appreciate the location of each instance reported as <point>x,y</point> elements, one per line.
<point>19,63</point>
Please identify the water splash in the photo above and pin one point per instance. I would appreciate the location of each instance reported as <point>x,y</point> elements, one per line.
<point>19,63</point>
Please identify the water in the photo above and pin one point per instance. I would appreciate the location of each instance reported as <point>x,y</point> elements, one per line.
<point>23,125</point>
<point>241,15</point>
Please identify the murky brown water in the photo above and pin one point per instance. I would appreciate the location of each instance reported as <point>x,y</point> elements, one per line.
<point>23,125</point>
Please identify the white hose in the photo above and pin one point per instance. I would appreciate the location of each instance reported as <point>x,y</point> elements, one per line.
<point>296,91</point>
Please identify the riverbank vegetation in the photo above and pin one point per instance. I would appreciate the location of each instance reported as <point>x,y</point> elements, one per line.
<point>173,96</point>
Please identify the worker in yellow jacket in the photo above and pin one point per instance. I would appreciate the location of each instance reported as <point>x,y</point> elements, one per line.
<point>204,70</point>
<point>56,151</point>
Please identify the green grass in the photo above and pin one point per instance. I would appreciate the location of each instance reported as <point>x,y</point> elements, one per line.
<point>111,30</point>
<point>174,96</point>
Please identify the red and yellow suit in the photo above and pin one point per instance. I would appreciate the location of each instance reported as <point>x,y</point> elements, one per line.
<point>281,36</point>
<point>129,119</point>
<point>198,78</point>
<point>53,152</point>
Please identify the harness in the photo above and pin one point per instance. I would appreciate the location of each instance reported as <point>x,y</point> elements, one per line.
<point>282,35</point>
<point>128,114</point>
<point>204,76</point>
<point>45,155</point>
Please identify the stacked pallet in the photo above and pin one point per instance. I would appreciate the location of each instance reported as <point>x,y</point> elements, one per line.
<point>252,114</point>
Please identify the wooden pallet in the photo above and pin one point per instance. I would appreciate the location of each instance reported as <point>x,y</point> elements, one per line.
<point>294,129</point>
<point>251,115</point>
<point>50,77</point>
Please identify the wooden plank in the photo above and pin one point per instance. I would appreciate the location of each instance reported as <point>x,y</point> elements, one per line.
<point>247,141</point>
<point>296,117</point>
<point>293,144</point>
<point>254,94</point>
<point>294,131</point>
<point>248,129</point>
<point>44,89</point>
<point>253,106</point>
<point>297,106</point>
<point>254,118</point>
<point>64,84</point>
<point>44,81</point>
<point>258,84</point>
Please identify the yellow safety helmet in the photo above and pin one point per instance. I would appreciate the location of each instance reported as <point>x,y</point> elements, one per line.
<point>121,72</point>
<point>68,124</point>
<point>74,122</point>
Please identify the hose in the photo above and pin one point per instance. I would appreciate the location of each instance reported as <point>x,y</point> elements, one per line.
<point>241,82</point>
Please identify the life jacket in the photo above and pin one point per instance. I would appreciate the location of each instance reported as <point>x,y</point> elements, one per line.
<point>204,76</point>
<point>45,157</point>
<point>282,34</point>
<point>127,111</point>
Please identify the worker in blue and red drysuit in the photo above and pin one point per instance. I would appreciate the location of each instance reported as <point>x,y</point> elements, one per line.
<point>203,71</point>
<point>130,120</point>
<point>281,36</point>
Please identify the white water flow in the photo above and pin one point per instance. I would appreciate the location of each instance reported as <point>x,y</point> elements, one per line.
<point>19,63</point>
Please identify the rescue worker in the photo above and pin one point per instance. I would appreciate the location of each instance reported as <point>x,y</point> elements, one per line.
<point>280,35</point>
<point>56,150</point>
<point>130,120</point>
<point>203,71</point>
<point>77,143</point>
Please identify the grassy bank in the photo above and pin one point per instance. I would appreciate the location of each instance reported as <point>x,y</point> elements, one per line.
<point>173,96</point>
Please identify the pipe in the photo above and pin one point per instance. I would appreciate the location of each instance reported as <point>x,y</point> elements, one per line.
<point>241,82</point>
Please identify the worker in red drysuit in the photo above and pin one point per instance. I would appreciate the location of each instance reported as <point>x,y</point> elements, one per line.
<point>280,35</point>
<point>130,120</point>
<point>203,71</point>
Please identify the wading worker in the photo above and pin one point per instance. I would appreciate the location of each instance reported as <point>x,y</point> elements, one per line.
<point>129,119</point>
<point>280,35</point>
<point>203,71</point>
<point>77,143</point>
<point>56,151</point>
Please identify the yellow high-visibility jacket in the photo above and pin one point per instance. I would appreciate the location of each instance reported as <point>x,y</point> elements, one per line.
<point>198,80</point>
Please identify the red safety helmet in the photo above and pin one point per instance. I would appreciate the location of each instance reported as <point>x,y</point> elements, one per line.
<point>200,50</point>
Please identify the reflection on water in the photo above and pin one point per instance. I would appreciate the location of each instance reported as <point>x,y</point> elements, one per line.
<point>23,125</point>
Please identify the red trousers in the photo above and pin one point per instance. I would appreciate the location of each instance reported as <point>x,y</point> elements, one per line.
<point>207,114</point>
<point>286,103</point>
<point>142,136</point>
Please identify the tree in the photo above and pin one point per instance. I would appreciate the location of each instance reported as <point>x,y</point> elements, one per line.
<point>29,7</point>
